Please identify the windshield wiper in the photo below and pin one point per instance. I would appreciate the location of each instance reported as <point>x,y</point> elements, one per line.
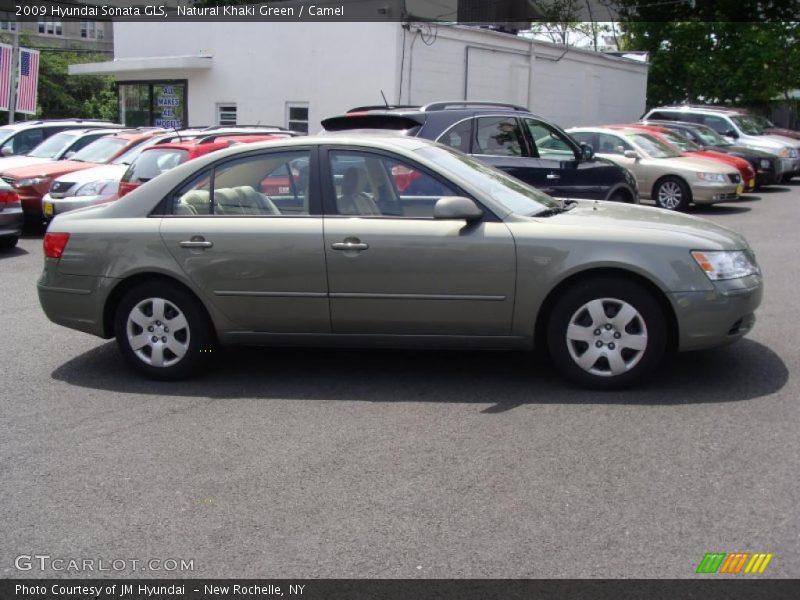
<point>556,210</point>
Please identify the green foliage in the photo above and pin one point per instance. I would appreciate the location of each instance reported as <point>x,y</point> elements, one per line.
<point>709,57</point>
<point>72,96</point>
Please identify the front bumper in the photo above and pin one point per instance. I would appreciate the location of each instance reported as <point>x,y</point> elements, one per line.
<point>11,221</point>
<point>719,316</point>
<point>56,206</point>
<point>709,193</point>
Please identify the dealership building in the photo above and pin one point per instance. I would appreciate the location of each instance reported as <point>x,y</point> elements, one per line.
<point>295,74</point>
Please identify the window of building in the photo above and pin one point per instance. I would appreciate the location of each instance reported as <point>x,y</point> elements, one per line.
<point>88,29</point>
<point>7,22</point>
<point>51,27</point>
<point>226,113</point>
<point>297,116</point>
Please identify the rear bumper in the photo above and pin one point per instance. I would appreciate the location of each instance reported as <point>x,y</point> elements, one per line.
<point>57,206</point>
<point>11,220</point>
<point>718,317</point>
<point>74,301</point>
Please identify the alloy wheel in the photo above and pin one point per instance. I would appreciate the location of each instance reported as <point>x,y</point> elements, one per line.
<point>158,332</point>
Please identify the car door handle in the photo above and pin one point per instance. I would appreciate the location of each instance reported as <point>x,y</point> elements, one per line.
<point>195,242</point>
<point>349,245</point>
<point>553,176</point>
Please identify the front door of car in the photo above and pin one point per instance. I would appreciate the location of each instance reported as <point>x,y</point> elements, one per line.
<point>500,142</point>
<point>395,270</point>
<point>560,169</point>
<point>248,234</point>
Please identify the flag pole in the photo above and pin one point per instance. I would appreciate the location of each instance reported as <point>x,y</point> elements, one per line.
<point>12,90</point>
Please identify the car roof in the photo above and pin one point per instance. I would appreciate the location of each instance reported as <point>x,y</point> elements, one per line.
<point>702,109</point>
<point>94,123</point>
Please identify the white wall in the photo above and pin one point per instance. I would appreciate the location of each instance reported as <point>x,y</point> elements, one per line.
<point>578,87</point>
<point>261,66</point>
<point>335,66</point>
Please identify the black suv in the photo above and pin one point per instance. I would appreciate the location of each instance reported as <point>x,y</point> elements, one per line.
<point>506,136</point>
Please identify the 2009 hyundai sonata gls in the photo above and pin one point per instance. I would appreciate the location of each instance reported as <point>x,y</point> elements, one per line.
<point>391,241</point>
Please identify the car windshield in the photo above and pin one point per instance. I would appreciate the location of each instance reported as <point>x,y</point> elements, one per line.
<point>651,146</point>
<point>101,151</point>
<point>711,137</point>
<point>53,146</point>
<point>762,122</point>
<point>513,194</point>
<point>681,142</point>
<point>747,125</point>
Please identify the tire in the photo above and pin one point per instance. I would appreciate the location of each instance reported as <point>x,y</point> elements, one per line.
<point>9,242</point>
<point>589,343</point>
<point>787,177</point>
<point>158,304</point>
<point>621,197</point>
<point>672,193</point>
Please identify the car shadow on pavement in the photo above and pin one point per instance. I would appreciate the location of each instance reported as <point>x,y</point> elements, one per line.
<point>15,251</point>
<point>743,371</point>
<point>773,189</point>
<point>717,209</point>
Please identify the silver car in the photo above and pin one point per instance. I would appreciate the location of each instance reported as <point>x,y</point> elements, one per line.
<point>391,241</point>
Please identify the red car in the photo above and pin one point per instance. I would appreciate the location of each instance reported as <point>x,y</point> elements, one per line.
<point>688,147</point>
<point>33,182</point>
<point>155,160</point>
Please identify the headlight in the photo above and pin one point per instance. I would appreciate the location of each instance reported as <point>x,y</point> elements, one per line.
<point>716,177</point>
<point>785,152</point>
<point>104,187</point>
<point>30,182</point>
<point>765,164</point>
<point>731,264</point>
<point>793,152</point>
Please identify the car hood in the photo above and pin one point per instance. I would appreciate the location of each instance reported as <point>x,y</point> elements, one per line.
<point>51,169</point>
<point>615,220</point>
<point>745,150</point>
<point>16,162</point>
<point>695,163</point>
<point>790,133</point>
<point>114,172</point>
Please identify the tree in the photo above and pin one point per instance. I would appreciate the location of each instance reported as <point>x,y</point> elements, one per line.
<point>61,95</point>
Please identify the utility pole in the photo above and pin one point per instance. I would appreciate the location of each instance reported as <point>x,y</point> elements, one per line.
<point>12,90</point>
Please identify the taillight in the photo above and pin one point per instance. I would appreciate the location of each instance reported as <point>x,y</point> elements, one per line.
<point>8,198</point>
<point>126,187</point>
<point>54,244</point>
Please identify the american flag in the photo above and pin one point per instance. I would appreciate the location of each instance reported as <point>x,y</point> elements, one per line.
<point>5,76</point>
<point>28,80</point>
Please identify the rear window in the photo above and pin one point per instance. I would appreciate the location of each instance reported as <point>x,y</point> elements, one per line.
<point>101,150</point>
<point>154,162</point>
<point>390,122</point>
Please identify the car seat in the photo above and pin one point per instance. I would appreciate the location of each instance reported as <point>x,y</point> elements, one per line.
<point>354,201</point>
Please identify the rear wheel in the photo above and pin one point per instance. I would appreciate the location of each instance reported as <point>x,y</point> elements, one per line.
<point>607,332</point>
<point>672,193</point>
<point>162,330</point>
<point>787,177</point>
<point>620,196</point>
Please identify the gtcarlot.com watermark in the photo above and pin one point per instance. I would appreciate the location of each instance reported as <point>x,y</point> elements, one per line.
<point>45,562</point>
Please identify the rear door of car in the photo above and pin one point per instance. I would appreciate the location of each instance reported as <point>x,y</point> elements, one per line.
<point>395,270</point>
<point>258,257</point>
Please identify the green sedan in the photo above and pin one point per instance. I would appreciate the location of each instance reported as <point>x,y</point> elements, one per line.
<point>391,241</point>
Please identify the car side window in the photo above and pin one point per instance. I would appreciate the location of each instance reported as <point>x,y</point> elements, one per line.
<point>612,144</point>
<point>272,184</point>
<point>718,124</point>
<point>25,141</point>
<point>374,185</point>
<point>85,141</point>
<point>458,136</point>
<point>548,142</point>
<point>498,136</point>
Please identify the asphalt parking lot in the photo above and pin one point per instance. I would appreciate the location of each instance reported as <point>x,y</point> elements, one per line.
<point>334,463</point>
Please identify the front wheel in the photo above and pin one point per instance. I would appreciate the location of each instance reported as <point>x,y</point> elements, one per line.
<point>607,333</point>
<point>672,193</point>
<point>162,330</point>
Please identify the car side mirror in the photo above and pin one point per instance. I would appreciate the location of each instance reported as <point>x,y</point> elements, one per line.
<point>70,154</point>
<point>631,154</point>
<point>456,207</point>
<point>6,151</point>
<point>731,133</point>
<point>587,153</point>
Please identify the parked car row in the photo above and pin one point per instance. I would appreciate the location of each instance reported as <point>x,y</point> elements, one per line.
<point>77,166</point>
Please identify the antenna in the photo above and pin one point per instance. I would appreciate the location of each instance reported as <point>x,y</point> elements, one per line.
<point>386,102</point>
